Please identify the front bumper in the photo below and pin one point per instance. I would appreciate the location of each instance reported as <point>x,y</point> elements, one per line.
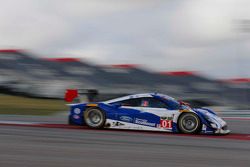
<point>222,132</point>
<point>212,124</point>
<point>219,131</point>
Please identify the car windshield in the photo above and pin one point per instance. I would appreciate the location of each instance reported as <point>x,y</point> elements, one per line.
<point>171,102</point>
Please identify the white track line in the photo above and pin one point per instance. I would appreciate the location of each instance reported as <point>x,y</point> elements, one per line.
<point>19,122</point>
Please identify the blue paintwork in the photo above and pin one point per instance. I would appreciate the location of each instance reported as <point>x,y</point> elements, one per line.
<point>175,128</point>
<point>129,115</point>
<point>209,110</point>
<point>202,118</point>
<point>80,120</point>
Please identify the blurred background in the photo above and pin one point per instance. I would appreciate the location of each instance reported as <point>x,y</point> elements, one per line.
<point>194,50</point>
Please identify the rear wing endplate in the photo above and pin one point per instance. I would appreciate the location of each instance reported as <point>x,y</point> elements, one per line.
<point>81,95</point>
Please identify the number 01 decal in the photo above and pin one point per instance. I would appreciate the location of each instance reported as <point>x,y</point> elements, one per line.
<point>166,123</point>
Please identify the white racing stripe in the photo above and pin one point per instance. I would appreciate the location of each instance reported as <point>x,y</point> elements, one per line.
<point>133,126</point>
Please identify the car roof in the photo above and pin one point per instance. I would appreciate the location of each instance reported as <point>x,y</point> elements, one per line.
<point>138,96</point>
<point>129,97</point>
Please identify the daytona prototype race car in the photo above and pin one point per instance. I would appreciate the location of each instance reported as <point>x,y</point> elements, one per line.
<point>149,111</point>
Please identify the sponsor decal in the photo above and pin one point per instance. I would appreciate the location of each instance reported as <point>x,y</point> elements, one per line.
<point>126,119</point>
<point>144,122</point>
<point>77,110</point>
<point>166,118</point>
<point>117,124</point>
<point>76,117</point>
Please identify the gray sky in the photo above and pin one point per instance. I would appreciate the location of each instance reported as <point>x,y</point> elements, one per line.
<point>166,35</point>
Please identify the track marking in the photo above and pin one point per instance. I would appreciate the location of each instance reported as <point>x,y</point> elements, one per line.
<point>18,122</point>
<point>237,118</point>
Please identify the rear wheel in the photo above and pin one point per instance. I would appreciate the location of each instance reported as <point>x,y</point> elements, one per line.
<point>94,117</point>
<point>189,123</point>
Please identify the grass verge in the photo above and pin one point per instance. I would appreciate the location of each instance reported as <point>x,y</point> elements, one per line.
<point>17,105</point>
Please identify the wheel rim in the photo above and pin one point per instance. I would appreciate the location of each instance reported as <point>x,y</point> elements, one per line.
<point>189,123</point>
<point>94,118</point>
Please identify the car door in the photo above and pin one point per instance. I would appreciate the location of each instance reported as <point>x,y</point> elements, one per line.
<point>132,115</point>
<point>157,112</point>
<point>128,110</point>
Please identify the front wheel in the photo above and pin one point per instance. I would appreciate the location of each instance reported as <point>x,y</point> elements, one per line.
<point>94,117</point>
<point>189,123</point>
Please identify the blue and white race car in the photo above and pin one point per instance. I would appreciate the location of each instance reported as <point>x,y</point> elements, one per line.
<point>149,111</point>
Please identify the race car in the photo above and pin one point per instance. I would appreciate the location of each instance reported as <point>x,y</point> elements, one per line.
<point>147,111</point>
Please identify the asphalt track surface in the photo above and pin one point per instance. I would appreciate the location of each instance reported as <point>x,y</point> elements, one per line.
<point>64,146</point>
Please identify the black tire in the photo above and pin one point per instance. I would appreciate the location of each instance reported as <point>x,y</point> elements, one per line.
<point>94,118</point>
<point>189,123</point>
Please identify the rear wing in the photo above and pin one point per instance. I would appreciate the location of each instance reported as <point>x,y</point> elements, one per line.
<point>80,95</point>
